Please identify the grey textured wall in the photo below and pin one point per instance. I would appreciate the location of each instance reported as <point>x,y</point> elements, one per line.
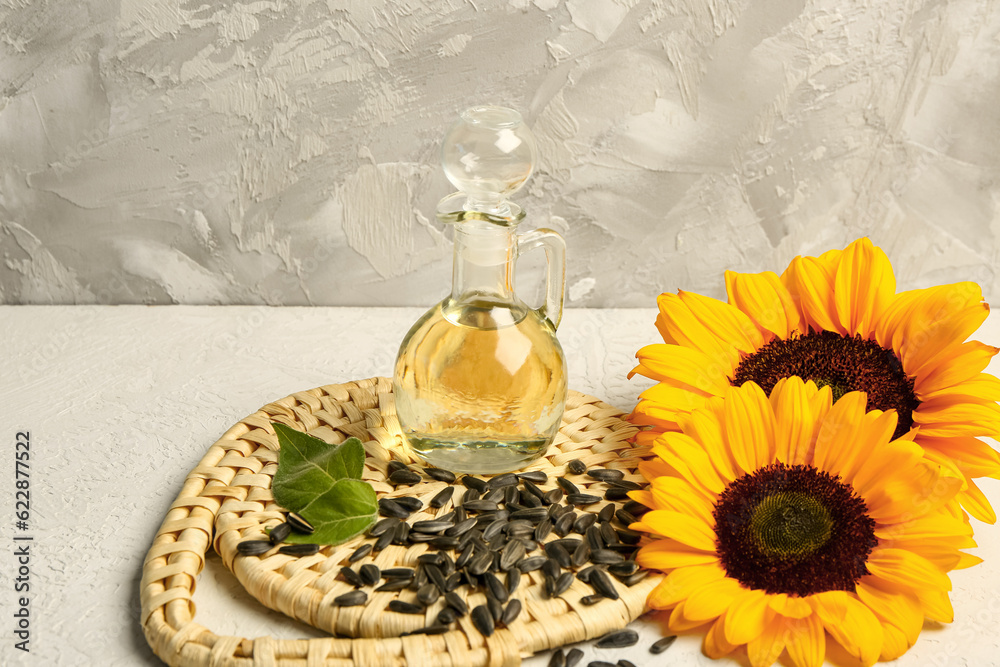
<point>285,151</point>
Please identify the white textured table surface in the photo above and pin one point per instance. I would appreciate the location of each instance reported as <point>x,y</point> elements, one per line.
<point>122,402</point>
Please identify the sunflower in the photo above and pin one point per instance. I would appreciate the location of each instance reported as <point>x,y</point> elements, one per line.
<point>789,520</point>
<point>836,319</point>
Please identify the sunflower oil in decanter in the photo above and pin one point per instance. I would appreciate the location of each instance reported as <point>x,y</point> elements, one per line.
<point>486,384</point>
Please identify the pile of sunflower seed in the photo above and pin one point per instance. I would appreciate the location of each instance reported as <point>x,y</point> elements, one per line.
<point>615,639</point>
<point>496,532</point>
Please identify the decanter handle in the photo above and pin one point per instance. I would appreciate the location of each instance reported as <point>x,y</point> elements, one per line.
<point>555,262</point>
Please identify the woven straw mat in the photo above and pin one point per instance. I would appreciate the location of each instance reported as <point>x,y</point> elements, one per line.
<point>227,498</point>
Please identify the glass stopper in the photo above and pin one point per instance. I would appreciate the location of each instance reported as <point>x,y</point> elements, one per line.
<point>488,154</point>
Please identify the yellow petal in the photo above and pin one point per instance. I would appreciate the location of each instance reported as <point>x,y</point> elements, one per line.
<point>976,503</point>
<point>894,642</point>
<point>936,606</point>
<point>859,632</point>
<point>678,323</point>
<point>966,363</point>
<point>790,606</point>
<point>907,568</point>
<point>810,280</point>
<point>746,617</point>
<point>679,622</point>
<point>726,322</point>
<point>765,300</point>
<point>674,493</point>
<point>807,643</point>
<point>716,645</point>
<point>681,527</point>
<point>712,600</point>
<point>972,456</point>
<point>765,649</point>
<point>835,448</point>
<point>668,554</point>
<point>683,367</point>
<point>901,609</point>
<point>900,497</point>
<point>749,426</point>
<point>688,458</point>
<point>705,427</point>
<point>863,286</point>
<point>796,423</point>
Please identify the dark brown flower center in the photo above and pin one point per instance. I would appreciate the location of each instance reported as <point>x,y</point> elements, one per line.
<point>843,363</point>
<point>793,529</point>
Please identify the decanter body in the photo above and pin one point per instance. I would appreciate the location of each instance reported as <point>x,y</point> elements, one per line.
<point>480,379</point>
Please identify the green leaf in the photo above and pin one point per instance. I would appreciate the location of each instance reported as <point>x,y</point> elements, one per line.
<point>322,482</point>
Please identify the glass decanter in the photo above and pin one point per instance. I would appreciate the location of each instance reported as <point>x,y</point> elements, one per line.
<point>480,379</point>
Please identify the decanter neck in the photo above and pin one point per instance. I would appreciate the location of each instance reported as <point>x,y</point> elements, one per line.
<point>484,261</point>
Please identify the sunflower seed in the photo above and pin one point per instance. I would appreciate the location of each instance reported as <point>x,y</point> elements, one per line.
<point>398,573</point>
<point>558,659</point>
<point>601,583</point>
<point>635,508</point>
<point>618,639</point>
<point>405,477</point>
<point>531,501</point>
<point>452,582</point>
<point>534,515</point>
<point>601,663</point>
<point>581,554</point>
<point>549,586</point>
<point>394,585</point>
<point>582,499</point>
<point>351,599</point>
<point>395,465</point>
<point>624,484</point>
<point>625,663</point>
<point>495,607</point>
<point>585,521</point>
<point>605,557</point>
<point>609,535</point>
<point>384,540</point>
<point>511,612</point>
<point>605,474</point>
<point>623,569</point>
<point>435,574</point>
<point>370,574</point>
<point>279,533</point>
<point>299,549</point>
<point>559,553</point>
<point>628,536</point>
<point>494,528</point>
<point>496,495</point>
<point>562,584</point>
<point>382,525</point>
<point>437,629</point>
<point>577,467</point>
<point>440,474</point>
<point>410,503</point>
<point>428,594</point>
<point>564,524</point>
<point>607,513</point>
<point>431,526</point>
<point>511,495</point>
<point>566,485</point>
<point>442,497</point>
<point>591,599</point>
<point>573,657</point>
<point>480,506</point>
<point>534,476</point>
<point>462,528</point>
<point>389,507</point>
<point>513,580</point>
<point>480,563</point>
<point>594,538</point>
<point>529,544</point>
<point>474,484</point>
<point>402,534</point>
<point>453,600</point>
<point>444,542</point>
<point>420,538</point>
<point>360,553</point>
<point>519,528</point>
<point>429,558</point>
<point>253,547</point>
<point>633,579</point>
<point>511,554</point>
<point>447,616</point>
<point>531,564</point>
<point>625,518</point>
<point>299,524</point>
<point>404,607</point>
<point>483,620</point>
<point>495,587</point>
<point>552,497</point>
<point>533,489</point>
<point>616,494</point>
<point>551,569</point>
<point>543,529</point>
<point>351,577</point>
<point>500,481</point>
